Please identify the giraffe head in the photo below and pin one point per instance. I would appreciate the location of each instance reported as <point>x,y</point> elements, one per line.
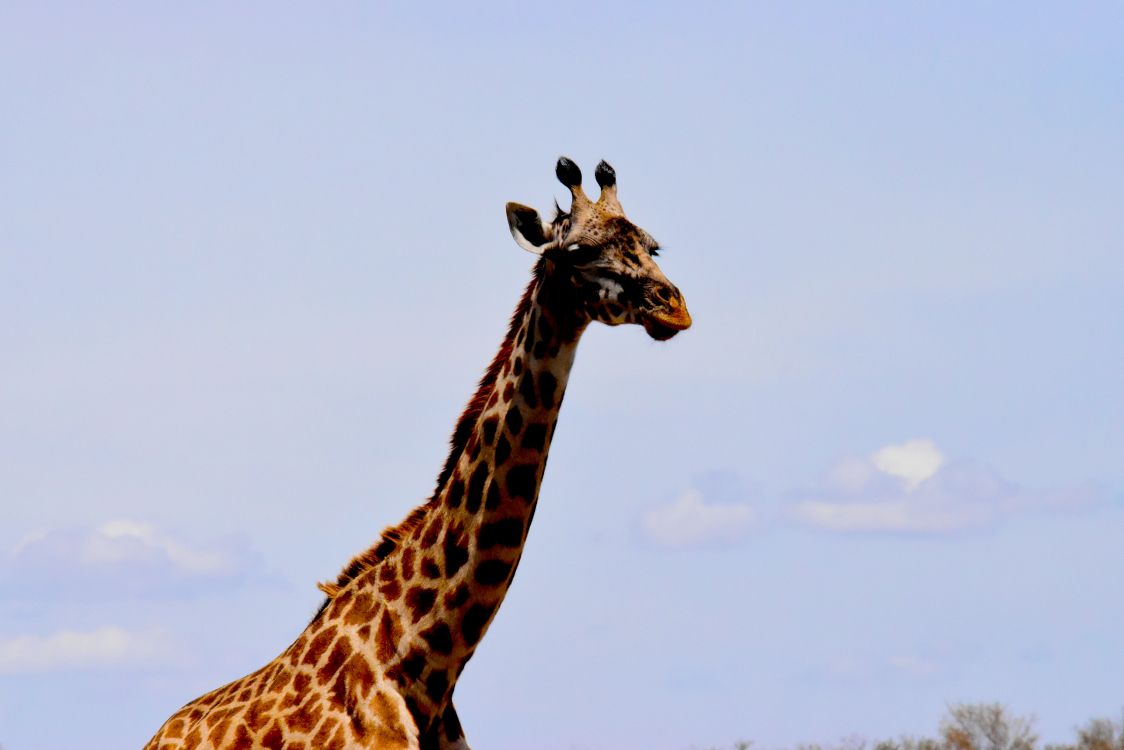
<point>605,259</point>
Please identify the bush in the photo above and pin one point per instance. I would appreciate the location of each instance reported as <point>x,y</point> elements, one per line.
<point>986,726</point>
<point>982,726</point>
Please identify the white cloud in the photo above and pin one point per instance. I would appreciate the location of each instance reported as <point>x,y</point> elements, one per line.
<point>123,539</point>
<point>913,461</point>
<point>122,556</point>
<point>691,520</point>
<point>884,516</point>
<point>911,487</point>
<point>70,649</point>
<point>850,474</point>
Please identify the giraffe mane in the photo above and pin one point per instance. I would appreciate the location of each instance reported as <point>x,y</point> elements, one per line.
<point>387,543</point>
<point>392,535</point>
<point>487,384</point>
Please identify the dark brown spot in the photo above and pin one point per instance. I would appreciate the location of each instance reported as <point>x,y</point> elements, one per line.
<point>386,546</point>
<point>489,427</point>
<point>545,329</point>
<point>304,718</point>
<point>431,533</point>
<point>456,598</point>
<point>317,647</point>
<point>217,732</point>
<point>527,390</point>
<point>455,493</point>
<point>420,601</point>
<point>436,685</point>
<point>387,637</point>
<point>289,700</point>
<point>361,675</point>
<point>421,719</point>
<point>535,436</point>
<point>521,481</point>
<point>414,663</point>
<point>439,638</point>
<point>493,500</point>
<point>322,734</point>
<point>476,488</point>
<point>219,714</point>
<point>273,740</point>
<point>363,609</point>
<point>281,677</point>
<point>408,559</point>
<point>394,673</point>
<point>504,533</point>
<point>548,384</point>
<point>514,420</point>
<point>390,590</point>
<point>358,727</point>
<point>429,568</point>
<point>193,740</point>
<point>336,743</point>
<point>475,619</point>
<point>503,450</point>
<point>518,368</point>
<point>301,681</point>
<point>255,717</point>
<point>338,691</point>
<point>452,724</point>
<point>259,683</point>
<point>508,392</point>
<point>492,572</point>
<point>456,553</point>
<point>336,658</point>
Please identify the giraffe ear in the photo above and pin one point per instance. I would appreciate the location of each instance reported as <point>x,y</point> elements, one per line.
<point>527,228</point>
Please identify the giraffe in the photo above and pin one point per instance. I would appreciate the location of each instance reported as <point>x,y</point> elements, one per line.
<point>376,666</point>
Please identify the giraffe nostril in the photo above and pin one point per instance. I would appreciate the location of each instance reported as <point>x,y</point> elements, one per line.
<point>668,296</point>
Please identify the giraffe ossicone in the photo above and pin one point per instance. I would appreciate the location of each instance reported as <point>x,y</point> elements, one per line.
<point>377,665</point>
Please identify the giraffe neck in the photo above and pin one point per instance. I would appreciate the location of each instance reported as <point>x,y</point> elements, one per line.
<point>420,600</point>
<point>489,497</point>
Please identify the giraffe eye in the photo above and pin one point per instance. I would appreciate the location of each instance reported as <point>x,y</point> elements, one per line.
<point>580,255</point>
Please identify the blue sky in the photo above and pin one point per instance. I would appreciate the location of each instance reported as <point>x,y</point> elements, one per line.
<point>253,260</point>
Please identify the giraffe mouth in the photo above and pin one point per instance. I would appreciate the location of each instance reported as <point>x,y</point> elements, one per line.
<point>663,325</point>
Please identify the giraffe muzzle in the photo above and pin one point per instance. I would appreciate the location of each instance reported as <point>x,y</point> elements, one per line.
<point>669,319</point>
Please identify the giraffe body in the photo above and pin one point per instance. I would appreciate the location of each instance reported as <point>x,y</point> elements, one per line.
<point>377,666</point>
